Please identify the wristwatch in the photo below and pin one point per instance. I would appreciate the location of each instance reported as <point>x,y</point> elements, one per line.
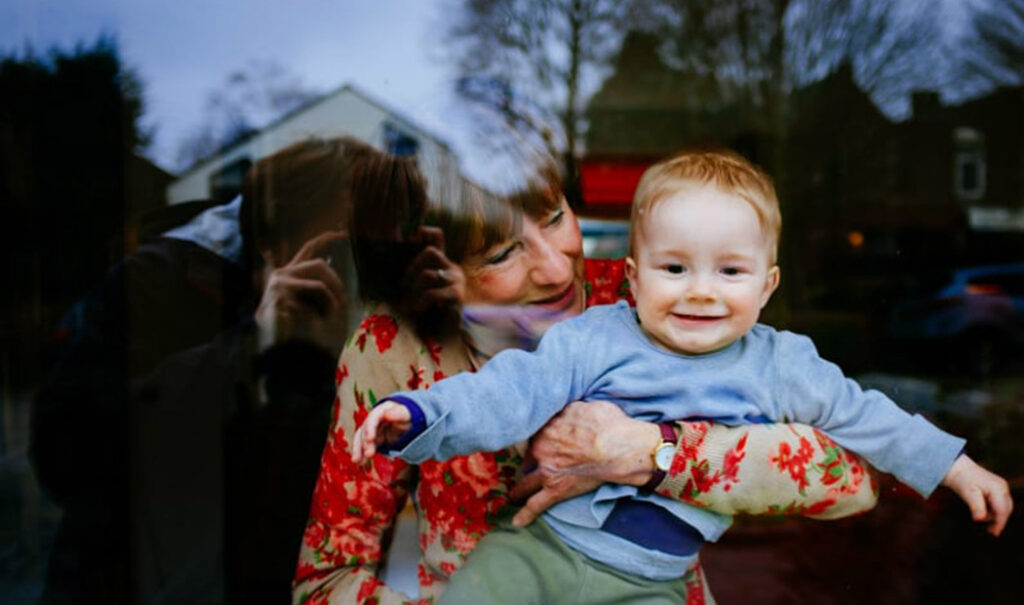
<point>662,456</point>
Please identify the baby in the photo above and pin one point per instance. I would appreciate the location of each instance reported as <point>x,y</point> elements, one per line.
<point>705,229</point>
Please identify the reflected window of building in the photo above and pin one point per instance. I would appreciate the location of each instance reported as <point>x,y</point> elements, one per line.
<point>399,142</point>
<point>969,164</point>
<point>226,183</point>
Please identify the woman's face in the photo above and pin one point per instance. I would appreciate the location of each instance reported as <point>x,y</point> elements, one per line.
<point>542,266</point>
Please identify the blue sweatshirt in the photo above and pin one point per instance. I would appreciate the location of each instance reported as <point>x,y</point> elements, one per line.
<point>604,355</point>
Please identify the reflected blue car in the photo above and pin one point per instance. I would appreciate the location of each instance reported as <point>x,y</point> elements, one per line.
<point>980,310</point>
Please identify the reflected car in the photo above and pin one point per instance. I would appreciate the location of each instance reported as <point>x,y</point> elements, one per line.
<point>980,310</point>
<point>604,238</point>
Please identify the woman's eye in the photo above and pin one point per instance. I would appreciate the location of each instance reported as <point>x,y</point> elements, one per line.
<point>556,217</point>
<point>674,269</point>
<point>500,256</point>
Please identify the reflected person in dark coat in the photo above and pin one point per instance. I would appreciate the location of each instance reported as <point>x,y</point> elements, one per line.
<point>181,426</point>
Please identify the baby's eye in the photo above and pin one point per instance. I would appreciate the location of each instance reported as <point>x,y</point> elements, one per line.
<point>731,271</point>
<point>674,269</point>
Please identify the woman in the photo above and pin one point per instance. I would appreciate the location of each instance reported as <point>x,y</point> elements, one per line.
<point>527,259</point>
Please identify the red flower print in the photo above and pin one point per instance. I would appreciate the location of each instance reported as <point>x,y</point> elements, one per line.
<point>795,464</point>
<point>689,446</point>
<point>387,469</point>
<point>367,589</point>
<point>731,464</point>
<point>370,497</point>
<point>416,379</point>
<point>695,586</point>
<point>434,350</point>
<point>447,568</point>
<point>822,505</point>
<point>340,374</point>
<point>438,375</point>
<point>352,538</point>
<point>315,534</point>
<point>478,471</point>
<point>361,411</point>
<point>426,577</point>
<point>382,327</point>
<point>700,479</point>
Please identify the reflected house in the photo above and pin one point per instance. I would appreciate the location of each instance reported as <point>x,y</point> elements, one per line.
<point>971,155</point>
<point>858,218</point>
<point>348,111</point>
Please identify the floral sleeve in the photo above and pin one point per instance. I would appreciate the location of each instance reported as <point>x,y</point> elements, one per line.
<point>768,469</point>
<point>354,507</point>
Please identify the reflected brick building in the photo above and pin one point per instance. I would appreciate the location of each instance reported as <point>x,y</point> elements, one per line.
<point>867,200</point>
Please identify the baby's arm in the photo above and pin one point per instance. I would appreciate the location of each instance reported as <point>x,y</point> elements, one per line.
<point>917,452</point>
<point>505,402</point>
<point>384,425</point>
<point>986,494</point>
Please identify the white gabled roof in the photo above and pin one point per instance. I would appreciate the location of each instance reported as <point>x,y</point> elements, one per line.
<point>348,88</point>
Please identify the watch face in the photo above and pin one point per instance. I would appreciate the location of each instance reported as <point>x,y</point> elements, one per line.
<point>664,455</point>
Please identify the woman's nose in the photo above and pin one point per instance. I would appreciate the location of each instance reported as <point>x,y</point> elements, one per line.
<point>550,265</point>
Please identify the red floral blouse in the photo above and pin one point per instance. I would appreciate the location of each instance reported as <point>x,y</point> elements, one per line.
<point>760,469</point>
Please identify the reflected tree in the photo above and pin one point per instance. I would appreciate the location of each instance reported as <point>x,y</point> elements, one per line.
<point>750,55</point>
<point>524,67</point>
<point>994,46</point>
<point>69,126</point>
<point>247,100</point>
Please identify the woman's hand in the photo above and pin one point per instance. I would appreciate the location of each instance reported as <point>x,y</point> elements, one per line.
<point>585,445</point>
<point>304,299</point>
<point>432,281</point>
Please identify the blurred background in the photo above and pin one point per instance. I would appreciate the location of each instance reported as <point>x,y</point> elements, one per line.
<point>894,131</point>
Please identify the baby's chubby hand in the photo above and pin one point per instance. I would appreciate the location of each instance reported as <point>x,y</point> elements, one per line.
<point>385,424</point>
<point>986,494</point>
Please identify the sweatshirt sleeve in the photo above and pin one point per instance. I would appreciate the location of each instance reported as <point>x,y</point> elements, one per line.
<point>508,400</point>
<point>816,392</point>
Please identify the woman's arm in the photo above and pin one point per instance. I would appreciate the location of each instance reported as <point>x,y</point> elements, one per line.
<point>783,469</point>
<point>768,469</point>
<point>354,506</point>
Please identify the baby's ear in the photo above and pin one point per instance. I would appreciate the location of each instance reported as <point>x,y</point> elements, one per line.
<point>771,282</point>
<point>631,272</point>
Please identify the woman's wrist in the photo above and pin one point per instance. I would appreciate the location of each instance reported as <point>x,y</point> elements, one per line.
<point>632,463</point>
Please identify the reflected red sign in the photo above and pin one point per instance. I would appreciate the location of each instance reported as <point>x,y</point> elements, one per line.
<point>610,182</point>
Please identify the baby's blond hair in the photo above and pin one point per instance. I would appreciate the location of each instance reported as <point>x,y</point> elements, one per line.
<point>726,170</point>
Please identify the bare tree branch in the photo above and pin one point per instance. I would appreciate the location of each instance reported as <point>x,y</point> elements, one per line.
<point>249,99</point>
<point>521,67</point>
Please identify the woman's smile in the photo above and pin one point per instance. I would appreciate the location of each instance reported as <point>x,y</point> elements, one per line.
<point>560,301</point>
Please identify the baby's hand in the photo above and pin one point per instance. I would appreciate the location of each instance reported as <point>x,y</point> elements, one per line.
<point>986,494</point>
<point>385,424</point>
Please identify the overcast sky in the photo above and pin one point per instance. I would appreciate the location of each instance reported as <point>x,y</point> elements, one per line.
<point>182,49</point>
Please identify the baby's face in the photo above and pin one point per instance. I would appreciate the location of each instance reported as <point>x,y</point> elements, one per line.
<point>701,270</point>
